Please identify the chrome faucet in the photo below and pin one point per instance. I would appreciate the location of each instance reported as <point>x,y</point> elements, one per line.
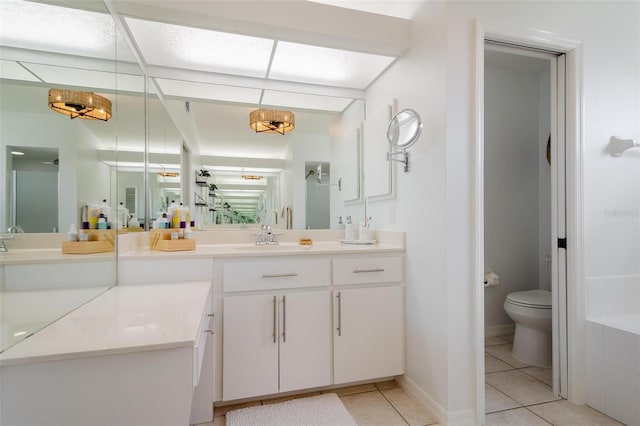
<point>3,248</point>
<point>266,236</point>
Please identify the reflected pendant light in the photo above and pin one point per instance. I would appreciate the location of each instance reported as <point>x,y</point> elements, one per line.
<point>85,105</point>
<point>272,121</point>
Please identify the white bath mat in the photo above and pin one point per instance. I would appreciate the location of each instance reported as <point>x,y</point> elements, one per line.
<point>321,410</point>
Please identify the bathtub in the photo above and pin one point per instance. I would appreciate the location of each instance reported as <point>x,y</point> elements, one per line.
<point>613,366</point>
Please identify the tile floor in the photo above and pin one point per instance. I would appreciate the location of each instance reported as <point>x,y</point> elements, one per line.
<point>516,394</point>
<point>375,404</point>
<point>519,394</point>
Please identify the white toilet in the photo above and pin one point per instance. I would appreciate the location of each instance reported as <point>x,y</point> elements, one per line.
<point>531,311</point>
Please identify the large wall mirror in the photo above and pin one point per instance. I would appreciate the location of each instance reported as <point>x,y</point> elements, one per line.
<point>53,167</point>
<point>257,178</point>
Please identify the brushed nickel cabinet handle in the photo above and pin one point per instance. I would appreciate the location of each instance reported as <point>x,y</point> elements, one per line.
<point>363,271</point>
<point>339,328</point>
<point>284,319</point>
<point>290,274</point>
<point>275,319</point>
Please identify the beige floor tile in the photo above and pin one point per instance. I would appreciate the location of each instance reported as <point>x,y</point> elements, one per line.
<point>372,409</point>
<point>494,400</point>
<point>517,417</point>
<point>410,410</point>
<point>217,421</point>
<point>493,364</point>
<point>348,390</point>
<point>221,411</point>
<point>289,398</point>
<point>503,353</point>
<point>495,340</point>
<point>543,374</point>
<point>386,385</point>
<point>522,388</point>
<point>564,413</point>
<point>508,337</point>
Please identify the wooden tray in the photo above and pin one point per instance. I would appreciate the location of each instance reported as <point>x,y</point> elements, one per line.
<point>86,247</point>
<point>160,239</point>
<point>100,241</point>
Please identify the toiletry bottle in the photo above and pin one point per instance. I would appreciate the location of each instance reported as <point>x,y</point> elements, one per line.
<point>73,233</point>
<point>188,234</point>
<point>164,222</point>
<point>173,214</point>
<point>123,216</point>
<point>350,230</point>
<point>106,211</point>
<point>94,212</point>
<point>183,216</point>
<point>102,221</point>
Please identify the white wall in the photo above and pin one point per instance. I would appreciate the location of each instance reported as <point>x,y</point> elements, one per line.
<point>435,200</point>
<point>418,81</point>
<point>515,159</point>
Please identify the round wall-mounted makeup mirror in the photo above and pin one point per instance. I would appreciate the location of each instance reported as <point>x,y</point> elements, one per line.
<point>404,129</point>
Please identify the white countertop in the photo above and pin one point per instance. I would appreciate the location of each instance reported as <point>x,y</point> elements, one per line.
<point>209,244</point>
<point>123,319</point>
<point>282,249</point>
<point>23,313</point>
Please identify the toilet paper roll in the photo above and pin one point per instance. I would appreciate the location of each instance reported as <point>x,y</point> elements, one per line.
<point>491,279</point>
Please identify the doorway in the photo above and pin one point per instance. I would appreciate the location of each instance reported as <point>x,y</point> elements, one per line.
<point>34,189</point>
<point>566,148</point>
<point>522,94</point>
<point>317,196</point>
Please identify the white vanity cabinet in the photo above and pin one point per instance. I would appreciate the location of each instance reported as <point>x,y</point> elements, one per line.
<point>368,315</point>
<point>276,326</point>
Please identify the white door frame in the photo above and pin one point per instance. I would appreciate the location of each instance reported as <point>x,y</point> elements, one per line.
<point>574,200</point>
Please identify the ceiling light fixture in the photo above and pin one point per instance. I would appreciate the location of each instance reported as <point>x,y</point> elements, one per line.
<point>85,105</point>
<point>272,121</point>
<point>168,174</point>
<point>251,177</point>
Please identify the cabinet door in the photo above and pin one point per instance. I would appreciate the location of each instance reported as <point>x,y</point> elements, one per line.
<point>368,335</point>
<point>305,340</point>
<point>250,346</point>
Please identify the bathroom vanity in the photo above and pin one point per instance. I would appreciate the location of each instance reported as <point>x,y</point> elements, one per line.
<point>277,319</point>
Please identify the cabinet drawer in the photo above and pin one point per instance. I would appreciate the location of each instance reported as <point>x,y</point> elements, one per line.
<point>367,270</point>
<point>265,274</point>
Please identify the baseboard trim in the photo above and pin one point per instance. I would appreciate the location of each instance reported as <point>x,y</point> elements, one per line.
<point>423,398</point>
<point>499,330</point>
<point>442,416</point>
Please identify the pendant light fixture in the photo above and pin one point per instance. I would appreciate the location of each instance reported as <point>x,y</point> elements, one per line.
<point>272,121</point>
<point>75,104</point>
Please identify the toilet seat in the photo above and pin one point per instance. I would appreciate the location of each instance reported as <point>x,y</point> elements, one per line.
<point>538,299</point>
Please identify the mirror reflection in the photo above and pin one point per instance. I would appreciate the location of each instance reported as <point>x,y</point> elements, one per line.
<point>259,178</point>
<point>53,167</point>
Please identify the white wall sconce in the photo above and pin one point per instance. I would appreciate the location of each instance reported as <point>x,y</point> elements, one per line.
<point>404,130</point>
<point>617,145</point>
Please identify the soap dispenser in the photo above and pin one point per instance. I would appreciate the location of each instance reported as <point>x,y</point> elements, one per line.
<point>350,230</point>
